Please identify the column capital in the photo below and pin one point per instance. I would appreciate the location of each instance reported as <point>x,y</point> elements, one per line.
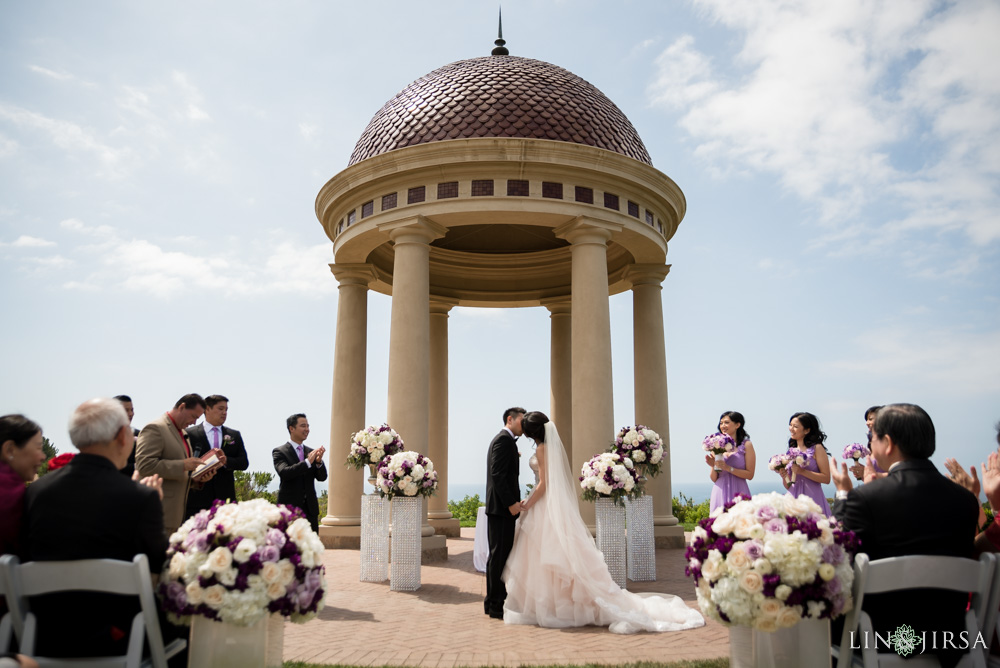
<point>441,306</point>
<point>558,305</point>
<point>583,230</point>
<point>646,274</point>
<point>413,230</point>
<point>353,274</point>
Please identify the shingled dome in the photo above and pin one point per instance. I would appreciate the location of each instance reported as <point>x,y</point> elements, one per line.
<point>500,96</point>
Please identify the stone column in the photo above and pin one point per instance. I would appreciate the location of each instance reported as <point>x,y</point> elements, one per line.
<point>439,517</point>
<point>592,397</point>
<point>342,525</point>
<point>561,371</point>
<point>650,374</point>
<point>408,405</point>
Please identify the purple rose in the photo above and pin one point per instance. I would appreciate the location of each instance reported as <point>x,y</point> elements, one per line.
<point>833,554</point>
<point>753,549</point>
<point>275,538</point>
<point>765,513</point>
<point>269,553</point>
<point>776,525</point>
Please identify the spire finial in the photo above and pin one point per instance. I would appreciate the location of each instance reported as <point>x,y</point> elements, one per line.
<point>500,49</point>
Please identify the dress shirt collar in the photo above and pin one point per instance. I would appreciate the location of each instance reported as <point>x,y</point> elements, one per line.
<point>510,432</point>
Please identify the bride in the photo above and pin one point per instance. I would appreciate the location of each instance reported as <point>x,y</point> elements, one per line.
<point>555,575</point>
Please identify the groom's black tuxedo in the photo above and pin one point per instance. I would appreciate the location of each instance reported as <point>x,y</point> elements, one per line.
<point>222,485</point>
<point>502,492</point>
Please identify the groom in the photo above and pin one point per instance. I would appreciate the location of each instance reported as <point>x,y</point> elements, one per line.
<point>503,504</point>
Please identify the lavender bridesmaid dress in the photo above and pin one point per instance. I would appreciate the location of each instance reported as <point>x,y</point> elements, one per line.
<point>810,488</point>
<point>727,485</point>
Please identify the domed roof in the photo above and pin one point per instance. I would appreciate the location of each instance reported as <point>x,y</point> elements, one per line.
<point>500,96</point>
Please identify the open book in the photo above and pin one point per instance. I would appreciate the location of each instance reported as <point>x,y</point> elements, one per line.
<point>210,461</point>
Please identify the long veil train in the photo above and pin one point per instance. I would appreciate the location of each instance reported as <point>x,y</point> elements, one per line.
<point>557,578</point>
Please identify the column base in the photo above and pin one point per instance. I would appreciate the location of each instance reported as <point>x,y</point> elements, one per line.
<point>340,537</point>
<point>451,528</point>
<point>670,538</point>
<point>433,549</point>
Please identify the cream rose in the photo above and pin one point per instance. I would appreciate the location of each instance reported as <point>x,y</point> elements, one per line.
<point>766,624</point>
<point>214,596</point>
<point>751,582</point>
<point>789,617</point>
<point>737,560</point>
<point>270,571</point>
<point>770,607</point>
<point>723,524</point>
<point>195,594</point>
<point>219,559</point>
<point>275,590</point>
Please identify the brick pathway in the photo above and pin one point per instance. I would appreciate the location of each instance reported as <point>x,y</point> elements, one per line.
<point>442,624</point>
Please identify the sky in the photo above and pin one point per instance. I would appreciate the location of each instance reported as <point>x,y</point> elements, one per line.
<point>159,164</point>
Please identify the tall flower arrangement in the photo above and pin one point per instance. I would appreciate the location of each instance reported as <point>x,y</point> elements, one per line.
<point>642,446</point>
<point>372,444</point>
<point>770,561</point>
<point>406,474</point>
<point>237,562</point>
<point>609,475</point>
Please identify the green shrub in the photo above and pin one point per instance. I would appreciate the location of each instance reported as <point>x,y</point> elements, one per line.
<point>466,509</point>
<point>253,485</point>
<point>688,512</point>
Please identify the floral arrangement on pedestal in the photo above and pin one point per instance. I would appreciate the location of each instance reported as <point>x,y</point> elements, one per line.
<point>372,444</point>
<point>406,474</point>
<point>642,446</point>
<point>771,560</point>
<point>856,451</point>
<point>238,562</point>
<point>609,475</point>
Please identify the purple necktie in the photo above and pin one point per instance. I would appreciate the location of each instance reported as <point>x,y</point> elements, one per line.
<point>215,436</point>
<point>299,452</point>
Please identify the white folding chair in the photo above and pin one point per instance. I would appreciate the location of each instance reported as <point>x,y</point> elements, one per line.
<point>913,572</point>
<point>7,622</point>
<point>991,618</point>
<point>130,578</point>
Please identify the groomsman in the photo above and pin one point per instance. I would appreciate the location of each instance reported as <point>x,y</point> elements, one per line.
<point>126,402</point>
<point>299,468</point>
<point>209,435</point>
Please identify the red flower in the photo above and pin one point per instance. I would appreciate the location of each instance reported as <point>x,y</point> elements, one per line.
<point>60,461</point>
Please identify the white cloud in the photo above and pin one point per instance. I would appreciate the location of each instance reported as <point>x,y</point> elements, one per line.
<point>58,76</point>
<point>308,130</point>
<point>852,104</point>
<point>25,241</point>
<point>7,146</point>
<point>273,266</point>
<point>953,360</point>
<point>71,137</point>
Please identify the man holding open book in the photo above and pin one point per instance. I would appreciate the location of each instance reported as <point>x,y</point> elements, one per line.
<point>212,436</point>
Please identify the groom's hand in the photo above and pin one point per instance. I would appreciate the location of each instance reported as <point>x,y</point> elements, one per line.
<point>515,509</point>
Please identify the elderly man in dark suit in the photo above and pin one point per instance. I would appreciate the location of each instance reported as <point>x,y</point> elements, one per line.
<point>913,510</point>
<point>299,468</point>
<point>503,505</point>
<point>163,450</point>
<point>209,435</point>
<point>88,510</point>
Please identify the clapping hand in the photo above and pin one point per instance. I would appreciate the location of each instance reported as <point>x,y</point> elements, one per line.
<point>316,456</point>
<point>960,477</point>
<point>840,477</point>
<point>152,481</point>
<point>991,479</point>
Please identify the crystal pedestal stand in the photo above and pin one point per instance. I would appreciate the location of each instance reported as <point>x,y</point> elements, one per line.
<point>805,644</point>
<point>405,572</point>
<point>611,538</point>
<point>641,543</point>
<point>374,538</point>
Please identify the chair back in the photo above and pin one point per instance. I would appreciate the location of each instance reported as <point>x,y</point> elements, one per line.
<point>977,577</point>
<point>107,576</point>
<point>7,621</point>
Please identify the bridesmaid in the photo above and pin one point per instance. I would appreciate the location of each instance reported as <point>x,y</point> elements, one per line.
<point>807,439</point>
<point>859,469</point>
<point>738,467</point>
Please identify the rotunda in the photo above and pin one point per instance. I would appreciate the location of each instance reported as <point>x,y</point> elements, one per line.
<point>498,181</point>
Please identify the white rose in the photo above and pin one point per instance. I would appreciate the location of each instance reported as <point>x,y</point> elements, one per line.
<point>782,592</point>
<point>789,616</point>
<point>228,577</point>
<point>737,560</point>
<point>770,607</point>
<point>308,558</point>
<point>699,532</point>
<point>287,572</point>
<point>219,559</point>
<point>766,624</point>
<point>214,596</point>
<point>751,582</point>
<point>195,594</point>
<point>757,532</point>
<point>178,562</point>
<point>275,590</point>
<point>763,566</point>
<point>744,525</point>
<point>299,529</point>
<point>827,571</point>
<point>723,524</point>
<point>244,550</point>
<point>270,572</point>
<point>714,566</point>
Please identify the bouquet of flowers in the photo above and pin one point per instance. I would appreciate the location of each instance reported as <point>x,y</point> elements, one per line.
<point>641,445</point>
<point>721,445</point>
<point>372,444</point>
<point>609,475</point>
<point>856,451</point>
<point>778,462</point>
<point>795,456</point>
<point>769,561</point>
<point>237,562</point>
<point>406,474</point>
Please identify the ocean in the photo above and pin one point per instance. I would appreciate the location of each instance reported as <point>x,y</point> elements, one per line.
<point>696,491</point>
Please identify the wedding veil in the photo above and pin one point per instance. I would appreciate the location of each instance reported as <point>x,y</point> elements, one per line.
<point>562,488</point>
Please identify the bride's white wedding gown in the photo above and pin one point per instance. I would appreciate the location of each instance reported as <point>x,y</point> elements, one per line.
<point>556,577</point>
